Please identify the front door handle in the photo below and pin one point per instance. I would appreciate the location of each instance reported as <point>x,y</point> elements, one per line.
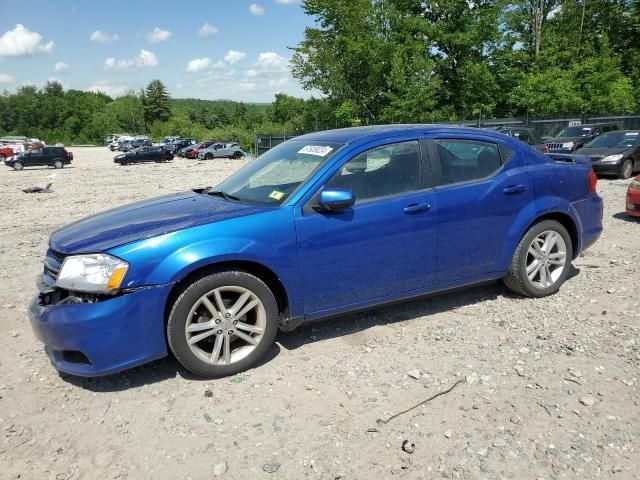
<point>511,189</point>
<point>416,207</point>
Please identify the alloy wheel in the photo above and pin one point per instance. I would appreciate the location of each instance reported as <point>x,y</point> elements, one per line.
<point>627,169</point>
<point>546,259</point>
<point>225,325</point>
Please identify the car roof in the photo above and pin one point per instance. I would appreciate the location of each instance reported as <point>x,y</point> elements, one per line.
<point>348,135</point>
<point>591,125</point>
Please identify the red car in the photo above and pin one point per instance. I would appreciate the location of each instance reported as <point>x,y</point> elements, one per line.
<point>633,198</point>
<point>192,151</point>
<point>5,152</point>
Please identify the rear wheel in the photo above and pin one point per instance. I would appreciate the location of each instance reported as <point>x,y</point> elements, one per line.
<point>58,164</point>
<point>626,169</point>
<point>222,324</point>
<point>542,260</point>
<point>208,156</point>
<point>236,155</point>
<point>18,165</point>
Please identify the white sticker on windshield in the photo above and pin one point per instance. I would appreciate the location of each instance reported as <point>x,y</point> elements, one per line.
<point>320,150</point>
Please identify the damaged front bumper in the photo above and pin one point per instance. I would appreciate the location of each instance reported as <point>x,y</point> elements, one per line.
<point>99,335</point>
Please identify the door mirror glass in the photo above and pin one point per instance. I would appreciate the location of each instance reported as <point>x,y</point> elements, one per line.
<point>335,199</point>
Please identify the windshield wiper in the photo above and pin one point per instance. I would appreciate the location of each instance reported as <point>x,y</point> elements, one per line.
<point>220,193</point>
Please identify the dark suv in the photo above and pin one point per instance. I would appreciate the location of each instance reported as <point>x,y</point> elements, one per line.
<point>571,139</point>
<point>524,134</point>
<point>56,157</point>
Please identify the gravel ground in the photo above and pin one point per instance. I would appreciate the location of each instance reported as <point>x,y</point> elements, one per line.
<point>547,388</point>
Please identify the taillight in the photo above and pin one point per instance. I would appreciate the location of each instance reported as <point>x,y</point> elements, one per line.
<point>592,181</point>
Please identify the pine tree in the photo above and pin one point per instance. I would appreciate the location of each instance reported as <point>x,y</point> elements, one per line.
<point>156,103</point>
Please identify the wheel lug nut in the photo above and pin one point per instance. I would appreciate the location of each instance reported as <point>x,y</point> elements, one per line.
<point>235,322</point>
<point>230,332</point>
<point>227,315</point>
<point>219,332</point>
<point>218,320</point>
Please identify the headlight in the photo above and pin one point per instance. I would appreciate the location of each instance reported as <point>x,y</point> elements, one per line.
<point>568,145</point>
<point>94,273</point>
<point>635,185</point>
<point>611,158</point>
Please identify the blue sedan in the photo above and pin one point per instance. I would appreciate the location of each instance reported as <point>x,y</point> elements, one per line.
<point>324,224</point>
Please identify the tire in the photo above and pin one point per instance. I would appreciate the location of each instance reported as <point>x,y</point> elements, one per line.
<point>18,165</point>
<point>189,310</point>
<point>626,169</point>
<point>57,164</point>
<point>236,155</point>
<point>535,284</point>
<point>208,156</point>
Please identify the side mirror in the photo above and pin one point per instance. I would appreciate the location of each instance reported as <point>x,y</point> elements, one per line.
<point>335,199</point>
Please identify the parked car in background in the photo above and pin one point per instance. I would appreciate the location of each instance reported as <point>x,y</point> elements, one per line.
<point>221,150</point>
<point>110,138</point>
<point>616,153</point>
<point>144,154</point>
<point>295,236</point>
<point>192,150</point>
<point>56,157</point>
<point>168,139</point>
<point>524,134</point>
<point>571,139</point>
<point>135,143</point>
<point>633,198</point>
<point>178,144</point>
<point>6,152</point>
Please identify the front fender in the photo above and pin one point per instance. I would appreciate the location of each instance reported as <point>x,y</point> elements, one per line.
<point>267,238</point>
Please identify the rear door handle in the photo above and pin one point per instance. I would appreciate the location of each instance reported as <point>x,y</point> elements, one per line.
<point>514,189</point>
<point>416,207</point>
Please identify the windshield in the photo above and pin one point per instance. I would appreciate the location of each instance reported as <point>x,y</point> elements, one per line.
<point>275,174</point>
<point>615,139</point>
<point>575,132</point>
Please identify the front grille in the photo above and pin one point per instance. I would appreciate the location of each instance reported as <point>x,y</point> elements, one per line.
<point>53,263</point>
<point>555,146</point>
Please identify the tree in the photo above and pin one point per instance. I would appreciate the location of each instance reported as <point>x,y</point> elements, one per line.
<point>156,103</point>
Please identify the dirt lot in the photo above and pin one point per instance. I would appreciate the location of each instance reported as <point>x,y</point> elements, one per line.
<point>549,387</point>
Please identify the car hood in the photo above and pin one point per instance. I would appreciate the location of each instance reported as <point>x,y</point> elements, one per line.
<point>566,139</point>
<point>145,219</point>
<point>600,152</point>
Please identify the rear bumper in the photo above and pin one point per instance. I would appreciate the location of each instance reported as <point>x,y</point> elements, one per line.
<point>112,334</point>
<point>590,211</point>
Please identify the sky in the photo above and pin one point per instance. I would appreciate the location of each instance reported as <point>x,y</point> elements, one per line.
<point>215,49</point>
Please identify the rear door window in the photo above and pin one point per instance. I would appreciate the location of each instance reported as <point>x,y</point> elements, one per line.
<point>466,160</point>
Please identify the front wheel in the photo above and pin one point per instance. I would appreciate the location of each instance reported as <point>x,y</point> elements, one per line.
<point>542,260</point>
<point>17,165</point>
<point>626,169</point>
<point>208,156</point>
<point>222,324</point>
<point>236,155</point>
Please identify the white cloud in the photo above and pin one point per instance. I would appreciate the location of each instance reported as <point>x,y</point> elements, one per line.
<point>234,56</point>
<point>22,42</point>
<point>6,79</point>
<point>110,88</point>
<point>158,35</point>
<point>286,2</point>
<point>103,37</point>
<point>207,30</point>
<point>144,59</point>
<point>198,64</point>
<point>269,64</point>
<point>256,9</point>
<point>60,67</point>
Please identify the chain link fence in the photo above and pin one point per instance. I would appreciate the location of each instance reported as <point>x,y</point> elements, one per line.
<point>544,126</point>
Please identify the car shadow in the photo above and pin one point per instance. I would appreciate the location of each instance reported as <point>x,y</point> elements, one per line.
<point>148,374</point>
<point>339,326</point>
<point>402,311</point>
<point>627,218</point>
<point>36,169</point>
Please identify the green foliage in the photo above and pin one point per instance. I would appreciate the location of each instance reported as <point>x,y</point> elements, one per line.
<point>156,102</point>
